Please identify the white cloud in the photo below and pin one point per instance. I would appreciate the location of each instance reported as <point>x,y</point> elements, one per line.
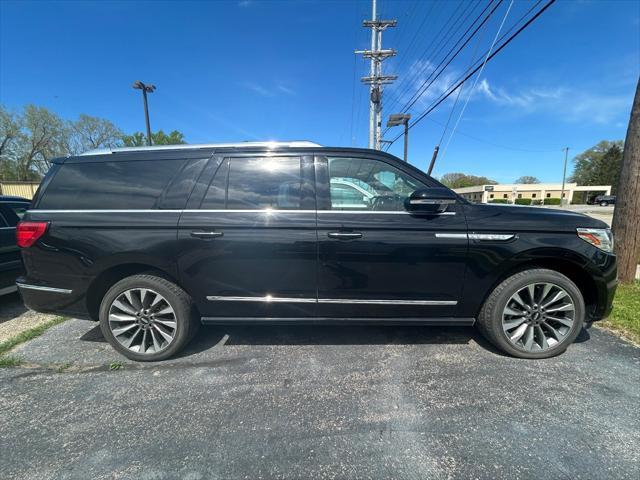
<point>569,104</point>
<point>269,91</point>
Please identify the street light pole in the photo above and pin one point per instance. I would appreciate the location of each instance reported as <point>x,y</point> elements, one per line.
<point>401,119</point>
<point>564,174</point>
<point>145,89</point>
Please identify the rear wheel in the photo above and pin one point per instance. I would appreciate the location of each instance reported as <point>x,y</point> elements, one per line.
<point>604,204</point>
<point>535,313</point>
<point>147,318</point>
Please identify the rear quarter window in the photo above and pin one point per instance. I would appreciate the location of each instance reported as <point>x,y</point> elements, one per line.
<point>109,185</point>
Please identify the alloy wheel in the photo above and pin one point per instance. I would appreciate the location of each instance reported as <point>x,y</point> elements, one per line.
<point>142,321</point>
<point>538,317</point>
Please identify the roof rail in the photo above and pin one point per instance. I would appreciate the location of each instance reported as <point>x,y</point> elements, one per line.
<point>186,146</point>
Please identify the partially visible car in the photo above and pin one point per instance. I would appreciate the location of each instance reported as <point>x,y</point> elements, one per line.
<point>11,211</point>
<point>603,200</point>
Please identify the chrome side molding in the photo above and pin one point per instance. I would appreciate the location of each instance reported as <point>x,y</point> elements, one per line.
<point>27,286</point>
<point>272,299</point>
<point>501,237</point>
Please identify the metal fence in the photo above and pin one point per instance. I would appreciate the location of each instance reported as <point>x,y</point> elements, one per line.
<point>20,189</point>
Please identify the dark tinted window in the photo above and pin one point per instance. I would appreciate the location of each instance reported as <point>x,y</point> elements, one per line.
<point>256,183</point>
<point>216,196</point>
<point>178,192</point>
<point>109,185</point>
<point>10,216</point>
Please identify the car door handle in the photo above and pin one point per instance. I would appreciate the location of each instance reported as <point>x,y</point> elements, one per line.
<point>203,234</point>
<point>344,235</point>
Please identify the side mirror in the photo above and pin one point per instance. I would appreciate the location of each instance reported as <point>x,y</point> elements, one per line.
<point>430,201</point>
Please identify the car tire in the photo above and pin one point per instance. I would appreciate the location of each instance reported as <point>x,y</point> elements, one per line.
<point>604,204</point>
<point>147,318</point>
<point>548,326</point>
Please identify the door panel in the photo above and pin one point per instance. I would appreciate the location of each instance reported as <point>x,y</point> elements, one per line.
<point>395,265</point>
<point>255,255</point>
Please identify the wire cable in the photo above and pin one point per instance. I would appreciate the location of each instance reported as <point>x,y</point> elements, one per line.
<point>475,82</point>
<point>445,95</point>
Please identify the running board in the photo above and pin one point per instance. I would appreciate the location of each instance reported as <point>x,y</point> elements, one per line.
<point>437,321</point>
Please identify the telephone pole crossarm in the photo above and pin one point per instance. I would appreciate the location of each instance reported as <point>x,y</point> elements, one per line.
<point>376,54</point>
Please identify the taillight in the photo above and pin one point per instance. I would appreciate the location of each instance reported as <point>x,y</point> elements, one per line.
<point>28,233</point>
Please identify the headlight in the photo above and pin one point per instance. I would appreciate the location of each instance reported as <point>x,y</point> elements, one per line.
<point>601,238</point>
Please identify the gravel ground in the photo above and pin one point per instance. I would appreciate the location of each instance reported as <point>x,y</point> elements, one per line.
<point>320,402</point>
<point>15,318</point>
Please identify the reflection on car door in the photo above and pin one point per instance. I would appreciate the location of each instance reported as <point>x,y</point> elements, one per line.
<point>379,260</point>
<point>248,245</point>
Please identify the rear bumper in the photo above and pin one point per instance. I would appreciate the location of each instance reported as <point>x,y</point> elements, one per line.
<point>51,299</point>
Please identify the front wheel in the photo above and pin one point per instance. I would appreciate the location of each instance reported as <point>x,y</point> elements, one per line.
<point>147,318</point>
<point>535,313</point>
<point>604,204</point>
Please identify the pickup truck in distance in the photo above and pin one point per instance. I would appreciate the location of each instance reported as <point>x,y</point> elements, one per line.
<point>154,241</point>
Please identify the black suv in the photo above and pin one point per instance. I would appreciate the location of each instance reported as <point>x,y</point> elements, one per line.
<point>603,200</point>
<point>154,241</point>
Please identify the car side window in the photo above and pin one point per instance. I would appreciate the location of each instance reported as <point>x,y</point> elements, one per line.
<point>367,184</point>
<point>19,209</point>
<point>9,218</point>
<point>256,183</point>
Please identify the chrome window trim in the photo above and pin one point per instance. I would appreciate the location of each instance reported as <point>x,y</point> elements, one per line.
<point>272,299</point>
<point>197,210</point>
<point>44,289</point>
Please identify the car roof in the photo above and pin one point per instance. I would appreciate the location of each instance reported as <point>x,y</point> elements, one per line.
<point>168,152</point>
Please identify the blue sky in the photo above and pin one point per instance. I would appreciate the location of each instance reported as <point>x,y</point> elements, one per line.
<point>249,70</point>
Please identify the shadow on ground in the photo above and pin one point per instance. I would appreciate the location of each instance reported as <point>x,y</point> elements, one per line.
<point>11,306</point>
<point>225,335</point>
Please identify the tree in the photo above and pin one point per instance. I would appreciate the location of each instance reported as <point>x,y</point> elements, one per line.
<point>599,165</point>
<point>42,137</point>
<point>10,126</point>
<point>626,216</point>
<point>89,133</point>
<point>461,180</point>
<point>139,139</point>
<point>528,179</point>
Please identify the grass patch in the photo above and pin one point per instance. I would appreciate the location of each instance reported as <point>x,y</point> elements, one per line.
<point>625,317</point>
<point>29,334</point>
<point>7,361</point>
<point>115,366</point>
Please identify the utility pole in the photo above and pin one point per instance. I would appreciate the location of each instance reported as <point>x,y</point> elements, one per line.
<point>376,79</point>
<point>626,215</point>
<point>564,174</point>
<point>138,85</point>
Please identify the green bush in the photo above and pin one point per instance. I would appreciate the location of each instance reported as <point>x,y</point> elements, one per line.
<point>552,201</point>
<point>536,202</point>
<point>523,201</point>
<point>499,200</point>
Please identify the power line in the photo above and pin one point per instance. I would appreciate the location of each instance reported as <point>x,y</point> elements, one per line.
<point>434,76</point>
<point>498,50</point>
<point>406,82</point>
<point>437,71</point>
<point>464,107</point>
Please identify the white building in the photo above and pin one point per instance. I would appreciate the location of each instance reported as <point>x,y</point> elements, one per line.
<point>535,191</point>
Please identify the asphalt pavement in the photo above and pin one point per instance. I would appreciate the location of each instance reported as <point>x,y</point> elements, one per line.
<point>311,402</point>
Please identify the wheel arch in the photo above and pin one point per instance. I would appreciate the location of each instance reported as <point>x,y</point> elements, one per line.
<point>108,277</point>
<point>566,265</point>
